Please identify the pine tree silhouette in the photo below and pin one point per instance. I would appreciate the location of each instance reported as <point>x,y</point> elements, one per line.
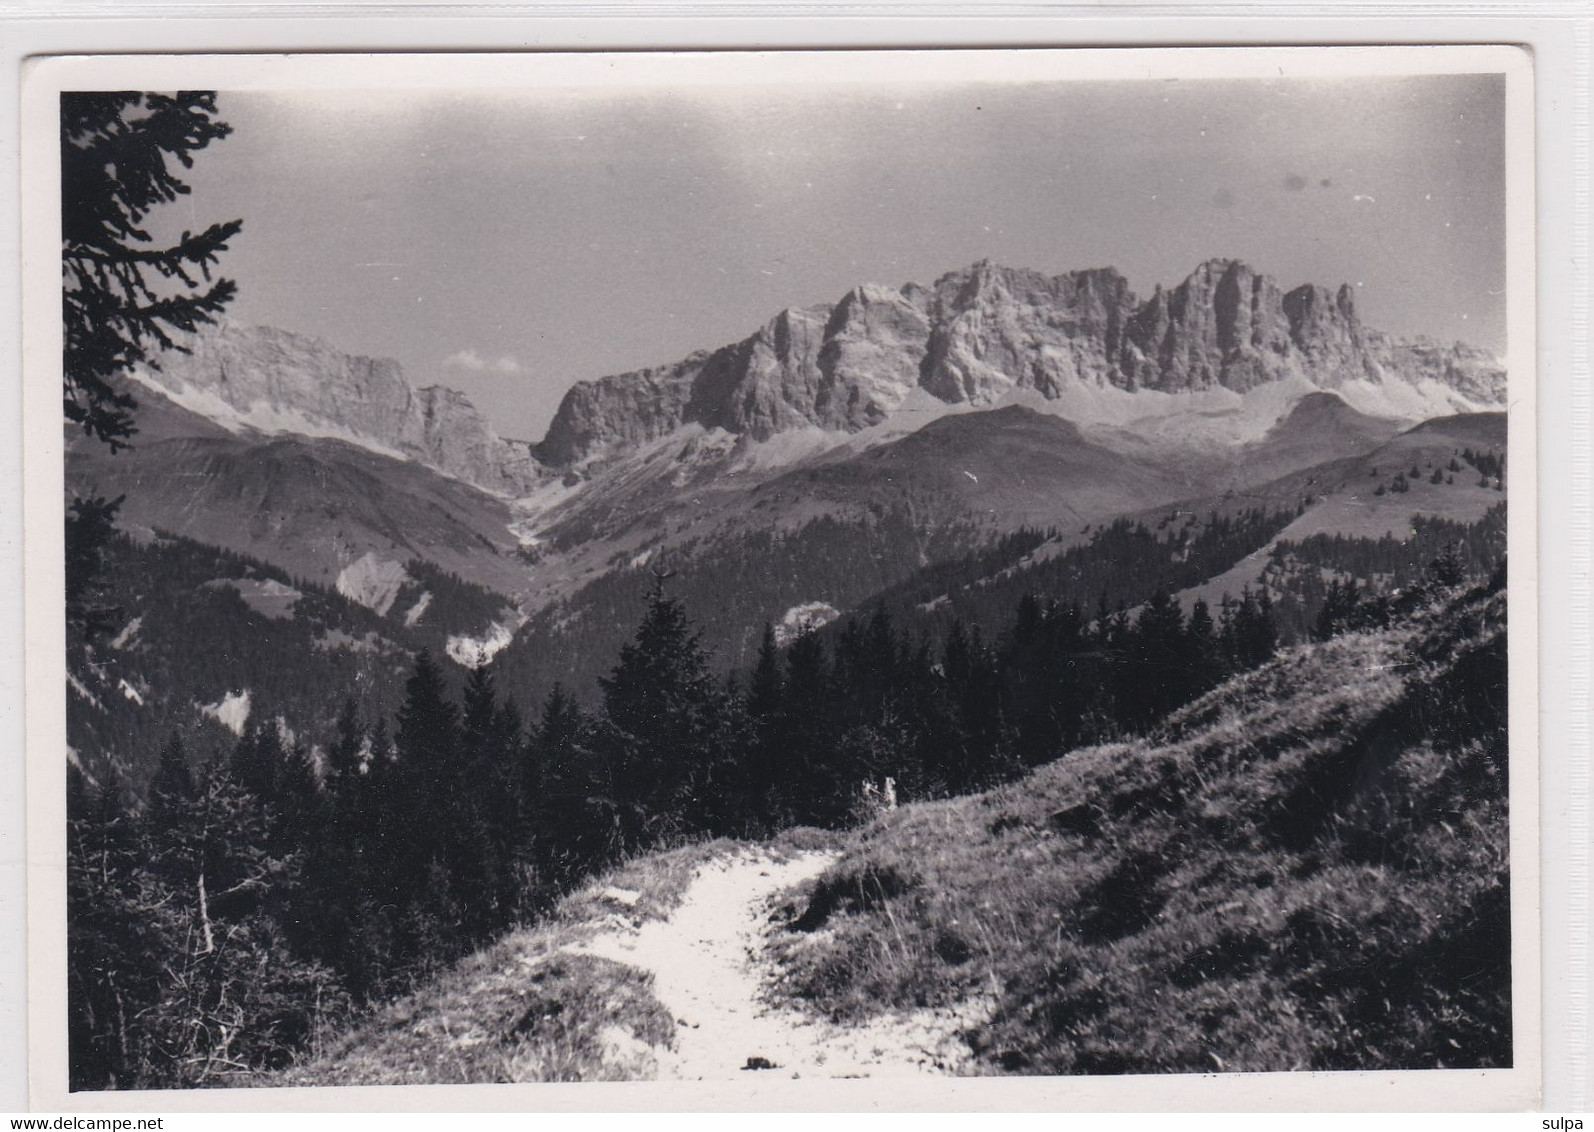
<point>173,784</point>
<point>90,525</point>
<point>761,771</point>
<point>664,715</point>
<point>123,295</point>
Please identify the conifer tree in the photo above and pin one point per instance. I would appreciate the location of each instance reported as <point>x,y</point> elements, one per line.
<point>1338,611</point>
<point>173,784</point>
<point>419,834</point>
<point>487,864</point>
<point>1255,635</point>
<point>763,690</point>
<point>123,295</point>
<point>976,729</point>
<point>665,721</point>
<point>563,774</point>
<point>809,728</point>
<point>297,811</point>
<point>115,948</point>
<point>258,760</point>
<point>1448,568</point>
<point>90,525</point>
<point>234,995</point>
<point>343,757</point>
<point>1206,655</point>
<point>761,768</point>
<point>1156,664</point>
<point>426,738</point>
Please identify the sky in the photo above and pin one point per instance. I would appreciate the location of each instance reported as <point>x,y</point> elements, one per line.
<point>509,243</point>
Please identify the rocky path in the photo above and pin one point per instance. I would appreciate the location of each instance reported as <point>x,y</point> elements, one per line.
<point>708,966</point>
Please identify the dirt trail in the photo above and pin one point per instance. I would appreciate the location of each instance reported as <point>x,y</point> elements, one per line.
<point>707,962</point>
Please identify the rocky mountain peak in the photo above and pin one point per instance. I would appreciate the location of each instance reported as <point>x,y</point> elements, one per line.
<point>972,337</point>
<point>985,330</point>
<point>273,381</point>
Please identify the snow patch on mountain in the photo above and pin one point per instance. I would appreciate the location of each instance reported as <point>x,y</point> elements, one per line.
<point>372,582</point>
<point>1210,419</point>
<point>800,619</point>
<point>77,686</point>
<point>259,416</point>
<point>231,711</point>
<point>474,651</point>
<point>128,633</point>
<point>76,760</point>
<point>265,596</point>
<point>334,639</point>
<point>1417,400</point>
<point>413,617</point>
<point>783,450</point>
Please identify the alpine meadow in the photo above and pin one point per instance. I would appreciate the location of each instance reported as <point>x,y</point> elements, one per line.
<point>1009,672</point>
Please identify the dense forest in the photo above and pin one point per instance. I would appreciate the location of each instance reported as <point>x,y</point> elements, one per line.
<point>245,901</point>
<point>732,583</point>
<point>926,578</point>
<point>1308,574</point>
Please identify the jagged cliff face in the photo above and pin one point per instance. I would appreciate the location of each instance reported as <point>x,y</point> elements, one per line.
<point>840,368</point>
<point>985,331</point>
<point>975,337</point>
<point>273,381</point>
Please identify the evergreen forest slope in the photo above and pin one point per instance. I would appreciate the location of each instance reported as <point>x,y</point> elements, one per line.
<point>1305,868</point>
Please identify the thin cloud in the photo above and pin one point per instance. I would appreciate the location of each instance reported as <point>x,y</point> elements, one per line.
<point>466,359</point>
<point>472,360</point>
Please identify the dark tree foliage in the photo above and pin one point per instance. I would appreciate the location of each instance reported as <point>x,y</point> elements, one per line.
<point>173,786</point>
<point>123,294</point>
<point>1303,574</point>
<point>180,970</point>
<point>762,769</point>
<point>731,588</point>
<point>666,734</point>
<point>453,605</point>
<point>90,528</point>
<point>354,874</point>
<point>197,639</point>
<point>1338,611</point>
<point>1489,462</point>
<point>573,830</point>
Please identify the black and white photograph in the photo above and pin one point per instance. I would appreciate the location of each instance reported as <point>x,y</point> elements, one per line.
<point>736,568</point>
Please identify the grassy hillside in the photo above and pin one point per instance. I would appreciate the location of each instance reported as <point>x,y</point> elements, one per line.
<point>308,506</point>
<point>1306,869</point>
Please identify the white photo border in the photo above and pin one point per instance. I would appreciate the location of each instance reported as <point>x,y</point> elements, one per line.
<point>44,643</point>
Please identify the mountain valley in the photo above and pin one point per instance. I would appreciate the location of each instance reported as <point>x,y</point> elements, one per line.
<point>839,455</point>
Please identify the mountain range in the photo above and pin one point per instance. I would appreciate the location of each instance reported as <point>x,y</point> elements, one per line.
<point>972,339</point>
<point>281,446</point>
<point>982,333</point>
<point>862,452</point>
